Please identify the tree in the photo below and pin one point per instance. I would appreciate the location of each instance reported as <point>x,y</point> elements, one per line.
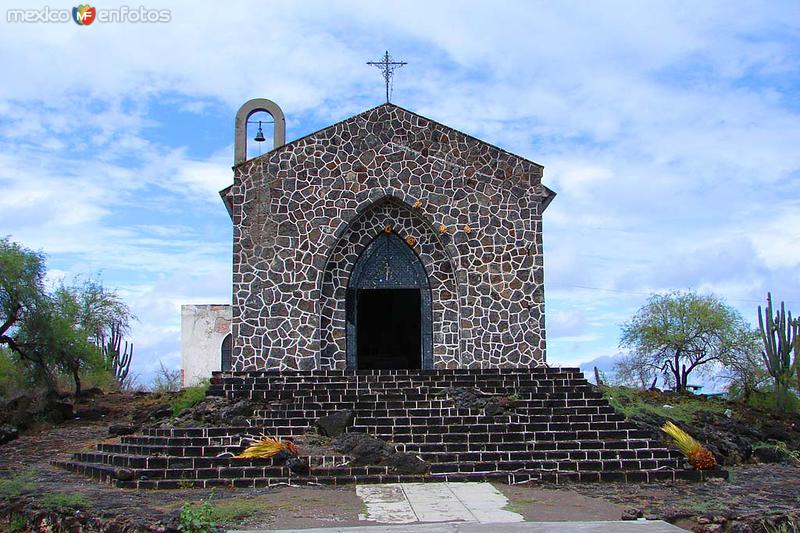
<point>22,295</point>
<point>83,315</point>
<point>743,368</point>
<point>634,370</point>
<point>56,331</point>
<point>166,380</point>
<point>683,332</point>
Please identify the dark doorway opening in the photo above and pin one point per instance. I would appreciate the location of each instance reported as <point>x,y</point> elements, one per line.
<point>389,329</point>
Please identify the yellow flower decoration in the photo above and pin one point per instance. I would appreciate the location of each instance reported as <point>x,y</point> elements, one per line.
<point>442,229</point>
<point>418,204</point>
<point>411,240</point>
<point>388,228</point>
<point>467,230</point>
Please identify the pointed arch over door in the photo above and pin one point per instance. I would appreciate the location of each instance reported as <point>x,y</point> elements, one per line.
<point>388,288</point>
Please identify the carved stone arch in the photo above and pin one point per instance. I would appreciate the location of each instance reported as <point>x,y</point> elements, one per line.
<point>353,237</point>
<point>369,200</point>
<point>245,112</point>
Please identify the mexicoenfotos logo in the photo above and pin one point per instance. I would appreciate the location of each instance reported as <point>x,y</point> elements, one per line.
<point>84,14</point>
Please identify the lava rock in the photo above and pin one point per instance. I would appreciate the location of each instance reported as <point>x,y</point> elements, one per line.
<point>242,408</point>
<point>335,423</point>
<point>298,466</point>
<point>161,411</point>
<point>493,409</point>
<point>8,433</point>
<point>363,449</point>
<point>771,454</point>
<point>91,413</point>
<point>282,457</point>
<point>739,527</point>
<point>57,411</point>
<point>631,514</point>
<point>466,398</point>
<point>117,430</point>
<point>124,474</point>
<point>91,392</point>
<point>407,463</point>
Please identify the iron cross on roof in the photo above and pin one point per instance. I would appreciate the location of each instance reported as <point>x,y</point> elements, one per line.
<point>387,67</point>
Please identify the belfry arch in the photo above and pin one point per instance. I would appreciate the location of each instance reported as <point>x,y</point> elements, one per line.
<point>245,112</point>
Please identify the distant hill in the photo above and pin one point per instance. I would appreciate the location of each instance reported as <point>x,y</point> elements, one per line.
<point>604,363</point>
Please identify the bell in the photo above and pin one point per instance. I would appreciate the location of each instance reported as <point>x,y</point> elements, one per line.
<point>259,138</point>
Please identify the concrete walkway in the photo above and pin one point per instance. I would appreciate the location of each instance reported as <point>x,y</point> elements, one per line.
<point>461,508</point>
<point>403,503</point>
<point>637,526</point>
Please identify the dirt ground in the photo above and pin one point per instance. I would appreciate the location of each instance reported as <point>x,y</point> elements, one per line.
<point>755,492</point>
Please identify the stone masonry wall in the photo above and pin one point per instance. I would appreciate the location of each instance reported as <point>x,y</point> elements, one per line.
<point>304,212</point>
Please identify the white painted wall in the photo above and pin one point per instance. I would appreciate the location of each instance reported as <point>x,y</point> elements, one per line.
<point>203,328</point>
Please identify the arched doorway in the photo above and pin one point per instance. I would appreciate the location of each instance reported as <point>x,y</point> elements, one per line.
<point>388,308</point>
<point>226,352</point>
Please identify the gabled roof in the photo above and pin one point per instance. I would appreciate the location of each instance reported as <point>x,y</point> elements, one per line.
<point>365,115</point>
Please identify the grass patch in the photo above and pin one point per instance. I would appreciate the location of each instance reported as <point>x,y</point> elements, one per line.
<point>17,523</point>
<point>189,397</point>
<point>234,509</point>
<point>765,401</point>
<point>683,408</point>
<point>17,485</point>
<point>703,507</point>
<point>62,500</point>
<point>229,511</point>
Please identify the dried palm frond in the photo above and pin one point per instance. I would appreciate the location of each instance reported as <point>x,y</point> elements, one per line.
<point>698,456</point>
<point>268,447</point>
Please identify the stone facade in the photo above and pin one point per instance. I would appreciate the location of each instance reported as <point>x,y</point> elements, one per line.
<point>304,212</point>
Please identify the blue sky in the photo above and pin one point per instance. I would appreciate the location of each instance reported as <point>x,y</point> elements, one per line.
<point>670,130</point>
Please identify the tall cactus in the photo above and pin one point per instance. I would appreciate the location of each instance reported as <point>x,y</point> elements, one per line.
<point>780,335</point>
<point>117,361</point>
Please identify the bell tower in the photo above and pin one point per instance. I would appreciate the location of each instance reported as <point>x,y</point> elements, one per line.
<point>245,112</point>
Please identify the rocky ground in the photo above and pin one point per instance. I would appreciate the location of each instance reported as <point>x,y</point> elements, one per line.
<point>759,497</point>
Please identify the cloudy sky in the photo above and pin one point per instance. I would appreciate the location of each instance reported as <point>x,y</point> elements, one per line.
<point>671,132</point>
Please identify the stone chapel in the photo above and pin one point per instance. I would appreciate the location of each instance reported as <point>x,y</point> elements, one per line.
<point>385,241</point>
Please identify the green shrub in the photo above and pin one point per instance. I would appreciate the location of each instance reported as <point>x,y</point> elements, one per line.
<point>781,447</point>
<point>682,408</point>
<point>17,485</point>
<point>766,400</point>
<point>62,500</point>
<point>17,523</point>
<point>197,518</point>
<point>189,397</point>
<point>231,510</point>
<point>13,378</point>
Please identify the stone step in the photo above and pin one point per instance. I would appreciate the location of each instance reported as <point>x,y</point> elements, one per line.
<point>196,432</point>
<point>444,412</point>
<point>333,477</point>
<point>434,454</point>
<point>561,466</point>
<point>557,429</point>
<point>139,462</point>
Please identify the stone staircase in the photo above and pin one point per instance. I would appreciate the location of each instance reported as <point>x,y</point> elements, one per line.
<point>560,430</point>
